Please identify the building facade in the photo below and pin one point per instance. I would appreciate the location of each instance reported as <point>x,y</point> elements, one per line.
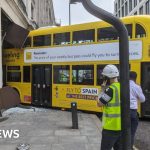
<point>131,7</point>
<point>40,12</point>
<point>28,14</point>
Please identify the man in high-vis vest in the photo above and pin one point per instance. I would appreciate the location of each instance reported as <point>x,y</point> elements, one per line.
<point>109,98</point>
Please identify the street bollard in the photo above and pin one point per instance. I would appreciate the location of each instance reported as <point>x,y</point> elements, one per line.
<point>74,115</point>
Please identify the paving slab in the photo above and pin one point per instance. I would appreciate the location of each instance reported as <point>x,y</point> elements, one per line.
<point>50,129</point>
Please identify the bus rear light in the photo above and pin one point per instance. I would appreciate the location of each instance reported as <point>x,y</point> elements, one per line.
<point>27,98</point>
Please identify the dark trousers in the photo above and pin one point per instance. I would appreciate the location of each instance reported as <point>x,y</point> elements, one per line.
<point>111,139</point>
<point>134,124</point>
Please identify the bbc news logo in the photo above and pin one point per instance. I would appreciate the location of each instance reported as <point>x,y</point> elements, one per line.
<point>11,134</point>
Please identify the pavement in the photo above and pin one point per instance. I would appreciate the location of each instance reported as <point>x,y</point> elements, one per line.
<point>50,129</point>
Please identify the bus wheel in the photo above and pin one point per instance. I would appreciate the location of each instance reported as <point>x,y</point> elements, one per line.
<point>17,92</point>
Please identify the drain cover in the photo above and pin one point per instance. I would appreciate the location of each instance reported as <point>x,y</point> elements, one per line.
<point>23,147</point>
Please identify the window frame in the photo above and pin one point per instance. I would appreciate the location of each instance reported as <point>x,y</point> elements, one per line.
<point>61,67</point>
<point>141,25</point>
<point>105,39</point>
<point>83,68</point>
<point>11,72</point>
<point>84,41</point>
<point>98,34</point>
<point>45,35</point>
<point>66,43</point>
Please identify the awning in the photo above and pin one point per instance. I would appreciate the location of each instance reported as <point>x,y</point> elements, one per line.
<point>16,35</point>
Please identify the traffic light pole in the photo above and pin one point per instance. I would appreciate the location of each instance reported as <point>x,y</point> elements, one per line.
<point>124,65</point>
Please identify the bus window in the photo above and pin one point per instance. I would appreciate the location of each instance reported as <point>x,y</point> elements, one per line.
<point>83,74</point>
<point>42,40</point>
<point>85,36</point>
<point>129,28</point>
<point>111,33</point>
<point>108,33</point>
<point>13,76</point>
<point>61,38</point>
<point>99,74</point>
<point>140,31</point>
<point>61,74</point>
<point>27,42</point>
<point>100,70</point>
<point>26,73</point>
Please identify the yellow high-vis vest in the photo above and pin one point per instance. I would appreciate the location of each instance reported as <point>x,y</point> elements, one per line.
<point>112,111</point>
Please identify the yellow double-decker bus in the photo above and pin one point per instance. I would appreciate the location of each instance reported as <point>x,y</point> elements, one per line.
<point>59,65</point>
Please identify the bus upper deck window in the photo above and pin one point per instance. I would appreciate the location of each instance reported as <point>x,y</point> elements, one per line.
<point>83,74</point>
<point>42,40</point>
<point>27,42</point>
<point>61,38</point>
<point>129,28</point>
<point>85,36</point>
<point>140,31</point>
<point>108,33</point>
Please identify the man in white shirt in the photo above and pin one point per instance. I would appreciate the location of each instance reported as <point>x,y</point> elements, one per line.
<point>136,94</point>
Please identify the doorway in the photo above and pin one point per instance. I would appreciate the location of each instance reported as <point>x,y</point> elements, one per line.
<point>145,72</point>
<point>42,85</point>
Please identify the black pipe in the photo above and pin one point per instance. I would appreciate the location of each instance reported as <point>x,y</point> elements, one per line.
<point>124,66</point>
<point>74,115</point>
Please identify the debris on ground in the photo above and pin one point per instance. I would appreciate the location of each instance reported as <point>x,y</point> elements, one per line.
<point>18,110</point>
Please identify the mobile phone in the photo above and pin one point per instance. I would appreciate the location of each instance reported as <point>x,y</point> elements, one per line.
<point>106,80</point>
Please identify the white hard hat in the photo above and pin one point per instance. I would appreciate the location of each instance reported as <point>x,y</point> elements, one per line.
<point>110,71</point>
